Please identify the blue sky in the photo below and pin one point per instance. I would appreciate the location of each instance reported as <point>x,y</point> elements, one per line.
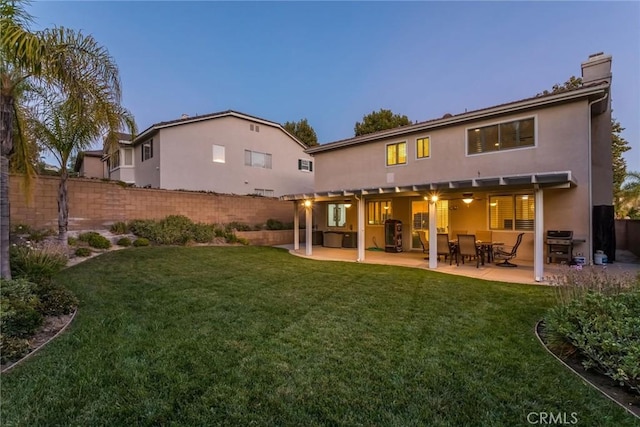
<point>334,62</point>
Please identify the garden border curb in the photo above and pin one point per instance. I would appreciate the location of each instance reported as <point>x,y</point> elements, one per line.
<point>535,331</point>
<point>37,349</point>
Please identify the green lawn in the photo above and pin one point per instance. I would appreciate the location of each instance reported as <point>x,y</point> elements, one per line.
<point>250,335</point>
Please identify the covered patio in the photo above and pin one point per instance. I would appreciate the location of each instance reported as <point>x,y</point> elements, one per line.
<point>416,259</point>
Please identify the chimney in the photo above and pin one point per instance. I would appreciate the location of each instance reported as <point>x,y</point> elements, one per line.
<point>184,116</point>
<point>596,69</point>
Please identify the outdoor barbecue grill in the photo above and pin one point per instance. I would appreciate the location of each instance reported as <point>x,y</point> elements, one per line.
<point>560,245</point>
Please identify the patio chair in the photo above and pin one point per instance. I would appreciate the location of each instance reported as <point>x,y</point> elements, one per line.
<point>444,247</point>
<point>424,242</point>
<point>467,248</point>
<point>505,255</point>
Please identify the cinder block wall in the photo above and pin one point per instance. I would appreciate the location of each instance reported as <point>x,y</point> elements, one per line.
<point>96,204</point>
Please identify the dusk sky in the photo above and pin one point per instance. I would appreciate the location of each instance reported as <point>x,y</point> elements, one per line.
<point>334,62</point>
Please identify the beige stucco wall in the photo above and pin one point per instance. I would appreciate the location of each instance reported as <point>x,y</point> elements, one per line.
<point>561,145</point>
<point>91,167</point>
<point>147,173</point>
<point>186,160</point>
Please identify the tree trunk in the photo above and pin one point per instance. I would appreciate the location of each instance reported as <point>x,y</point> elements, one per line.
<point>63,208</point>
<point>6,149</point>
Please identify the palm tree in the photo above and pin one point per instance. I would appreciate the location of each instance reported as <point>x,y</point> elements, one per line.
<point>630,196</point>
<point>57,59</point>
<point>57,125</point>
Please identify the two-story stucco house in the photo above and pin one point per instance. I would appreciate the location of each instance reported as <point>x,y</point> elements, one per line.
<point>528,166</point>
<point>226,152</point>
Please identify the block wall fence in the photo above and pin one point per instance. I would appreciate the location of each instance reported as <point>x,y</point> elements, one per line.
<point>96,204</point>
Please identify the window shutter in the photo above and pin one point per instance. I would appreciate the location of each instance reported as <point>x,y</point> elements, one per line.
<point>299,164</point>
<point>310,166</point>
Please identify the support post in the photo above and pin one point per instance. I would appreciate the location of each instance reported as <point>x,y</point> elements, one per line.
<point>538,242</point>
<point>296,226</point>
<point>433,233</point>
<point>309,224</point>
<point>360,228</point>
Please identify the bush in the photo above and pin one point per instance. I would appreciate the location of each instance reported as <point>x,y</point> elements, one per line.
<point>19,316</point>
<point>238,226</point>
<point>22,229</point>
<point>601,326</point>
<point>39,235</point>
<point>12,348</point>
<point>95,240</point>
<point>124,241</point>
<point>173,230</point>
<point>146,228</point>
<point>55,300</point>
<point>141,242</point>
<point>84,237</point>
<point>202,233</point>
<point>274,224</point>
<point>83,252</point>
<point>72,241</point>
<point>119,228</point>
<point>37,264</point>
<point>219,232</point>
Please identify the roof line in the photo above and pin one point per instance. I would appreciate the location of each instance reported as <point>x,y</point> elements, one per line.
<point>465,117</point>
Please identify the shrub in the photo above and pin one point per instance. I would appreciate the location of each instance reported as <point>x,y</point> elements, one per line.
<point>141,242</point>
<point>238,226</point>
<point>12,348</point>
<point>39,235</point>
<point>72,241</point>
<point>146,228</point>
<point>19,316</point>
<point>218,231</point>
<point>95,240</point>
<point>84,237</point>
<point>603,329</point>
<point>55,300</point>
<point>124,241</point>
<point>22,229</point>
<point>119,228</point>
<point>37,264</point>
<point>83,252</point>
<point>242,241</point>
<point>174,230</point>
<point>202,233</point>
<point>274,224</point>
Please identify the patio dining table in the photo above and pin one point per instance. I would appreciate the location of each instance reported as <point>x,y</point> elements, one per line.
<point>487,248</point>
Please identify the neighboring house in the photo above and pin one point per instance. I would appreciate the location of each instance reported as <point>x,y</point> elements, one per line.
<point>226,152</point>
<point>533,165</point>
<point>89,164</point>
<point>120,165</point>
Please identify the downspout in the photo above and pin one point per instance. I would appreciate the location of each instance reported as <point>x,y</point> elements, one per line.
<point>590,240</point>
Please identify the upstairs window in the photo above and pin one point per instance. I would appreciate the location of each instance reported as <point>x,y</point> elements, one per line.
<point>422,148</point>
<point>147,150</point>
<point>257,160</point>
<point>501,136</point>
<point>128,156</point>
<point>218,154</point>
<point>305,165</point>
<point>264,192</point>
<point>396,154</point>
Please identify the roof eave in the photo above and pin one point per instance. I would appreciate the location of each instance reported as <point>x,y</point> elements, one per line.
<point>465,117</point>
